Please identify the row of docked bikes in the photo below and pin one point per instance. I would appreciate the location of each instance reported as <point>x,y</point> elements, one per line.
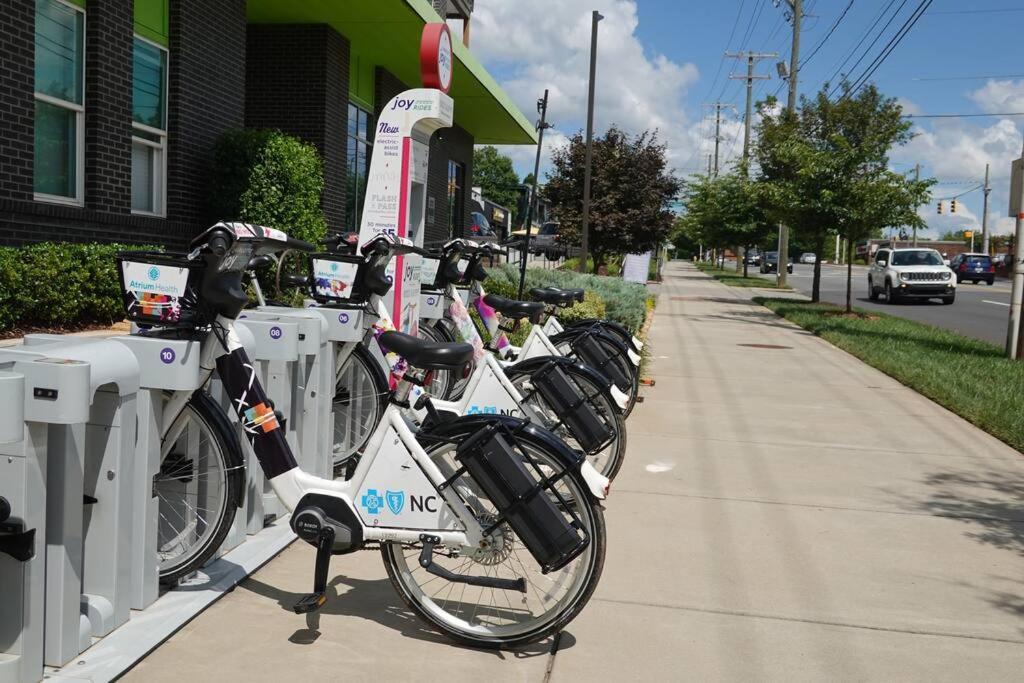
<point>477,468</point>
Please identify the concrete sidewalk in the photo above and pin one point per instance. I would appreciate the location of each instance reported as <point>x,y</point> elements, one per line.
<point>785,513</point>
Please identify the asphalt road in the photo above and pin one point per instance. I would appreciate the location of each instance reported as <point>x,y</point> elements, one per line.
<point>980,311</point>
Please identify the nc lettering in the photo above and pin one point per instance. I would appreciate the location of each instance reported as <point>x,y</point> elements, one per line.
<point>422,503</point>
<point>403,104</point>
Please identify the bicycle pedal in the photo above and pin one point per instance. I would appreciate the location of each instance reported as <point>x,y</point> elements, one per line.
<point>310,603</point>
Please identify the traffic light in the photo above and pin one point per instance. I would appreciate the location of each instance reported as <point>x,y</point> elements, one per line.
<point>939,208</point>
<point>952,206</point>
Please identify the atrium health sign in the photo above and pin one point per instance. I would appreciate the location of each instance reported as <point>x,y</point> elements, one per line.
<point>396,188</point>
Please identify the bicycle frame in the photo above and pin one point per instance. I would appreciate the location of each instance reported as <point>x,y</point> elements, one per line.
<point>383,469</point>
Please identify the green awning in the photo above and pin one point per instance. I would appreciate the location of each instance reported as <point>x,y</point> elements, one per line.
<point>388,32</point>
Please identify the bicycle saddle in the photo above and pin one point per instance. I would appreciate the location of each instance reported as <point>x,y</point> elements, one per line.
<point>516,310</point>
<point>553,295</point>
<point>427,355</point>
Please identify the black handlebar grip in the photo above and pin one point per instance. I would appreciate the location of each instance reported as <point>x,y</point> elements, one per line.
<point>219,243</point>
<point>300,245</point>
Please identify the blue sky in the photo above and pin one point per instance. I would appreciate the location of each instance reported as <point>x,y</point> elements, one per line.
<point>658,61</point>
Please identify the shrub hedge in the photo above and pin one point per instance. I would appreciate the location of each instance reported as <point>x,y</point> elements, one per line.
<point>60,285</point>
<point>624,302</point>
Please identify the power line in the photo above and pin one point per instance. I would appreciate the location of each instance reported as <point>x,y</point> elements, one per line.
<point>838,69</point>
<point>827,35</point>
<point>966,78</point>
<point>891,45</point>
<point>961,116</point>
<point>878,37</point>
<point>979,11</point>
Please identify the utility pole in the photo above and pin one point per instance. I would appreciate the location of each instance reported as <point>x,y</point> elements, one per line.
<point>1015,327</point>
<point>718,107</point>
<point>709,165</point>
<point>752,58</point>
<point>585,237</point>
<point>984,214</point>
<point>917,176</point>
<point>797,8</point>
<point>542,125</point>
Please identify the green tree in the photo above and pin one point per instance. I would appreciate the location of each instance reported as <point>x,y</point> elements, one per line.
<point>631,191</point>
<point>494,175</point>
<point>727,211</point>
<point>825,171</point>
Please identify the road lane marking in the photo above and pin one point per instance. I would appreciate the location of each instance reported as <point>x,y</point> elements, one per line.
<point>997,303</point>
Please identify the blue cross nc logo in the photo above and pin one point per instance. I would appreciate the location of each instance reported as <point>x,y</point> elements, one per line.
<point>372,501</point>
<point>396,501</point>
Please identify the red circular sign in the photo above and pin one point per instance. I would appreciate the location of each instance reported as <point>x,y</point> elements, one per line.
<point>437,61</point>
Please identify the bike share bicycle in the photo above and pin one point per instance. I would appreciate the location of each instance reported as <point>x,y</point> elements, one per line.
<point>562,394</point>
<point>484,502</point>
<point>592,344</point>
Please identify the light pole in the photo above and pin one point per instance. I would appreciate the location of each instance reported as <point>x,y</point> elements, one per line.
<point>796,6</point>
<point>542,109</point>
<point>585,236</point>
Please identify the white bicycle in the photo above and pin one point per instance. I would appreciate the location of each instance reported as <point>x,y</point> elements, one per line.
<point>489,526</point>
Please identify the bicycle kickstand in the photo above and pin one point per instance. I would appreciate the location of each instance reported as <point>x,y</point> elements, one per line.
<point>316,599</point>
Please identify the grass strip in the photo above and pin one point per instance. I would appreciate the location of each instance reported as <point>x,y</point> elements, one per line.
<point>967,376</point>
<point>733,279</point>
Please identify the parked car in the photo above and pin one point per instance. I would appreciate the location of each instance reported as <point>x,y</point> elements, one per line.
<point>808,257</point>
<point>974,267</point>
<point>753,257</point>
<point>546,240</point>
<point>770,263</point>
<point>910,274</point>
<point>480,226</point>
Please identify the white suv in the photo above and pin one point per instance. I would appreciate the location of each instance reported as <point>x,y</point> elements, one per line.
<point>911,274</point>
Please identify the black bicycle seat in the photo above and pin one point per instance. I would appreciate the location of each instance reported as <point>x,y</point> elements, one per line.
<point>560,297</point>
<point>516,310</point>
<point>427,355</point>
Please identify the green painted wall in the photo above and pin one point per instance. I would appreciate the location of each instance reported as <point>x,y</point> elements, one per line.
<point>152,19</point>
<point>360,79</point>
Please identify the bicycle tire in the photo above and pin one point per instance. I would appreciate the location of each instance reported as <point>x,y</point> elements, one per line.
<point>361,370</point>
<point>443,380</point>
<point>594,556</point>
<point>228,462</point>
<point>610,466</point>
<point>614,348</point>
<point>446,329</point>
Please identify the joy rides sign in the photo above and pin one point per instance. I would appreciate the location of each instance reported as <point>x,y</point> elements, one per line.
<point>396,189</point>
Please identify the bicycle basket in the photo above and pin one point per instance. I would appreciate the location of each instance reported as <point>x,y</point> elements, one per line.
<point>524,496</point>
<point>428,272</point>
<point>336,278</point>
<point>573,408</point>
<point>160,288</point>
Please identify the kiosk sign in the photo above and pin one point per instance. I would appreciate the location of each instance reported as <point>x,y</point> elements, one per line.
<point>396,188</point>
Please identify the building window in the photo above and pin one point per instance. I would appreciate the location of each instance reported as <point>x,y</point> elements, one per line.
<point>60,102</point>
<point>149,128</point>
<point>456,183</point>
<point>360,148</point>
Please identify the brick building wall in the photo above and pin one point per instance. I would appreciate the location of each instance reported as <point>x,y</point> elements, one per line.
<point>453,143</point>
<point>297,82</point>
<point>207,97</point>
<point>108,115</point>
<point>17,105</point>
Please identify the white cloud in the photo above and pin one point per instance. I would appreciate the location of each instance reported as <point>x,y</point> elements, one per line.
<point>538,44</point>
<point>957,150</point>
<point>998,96</point>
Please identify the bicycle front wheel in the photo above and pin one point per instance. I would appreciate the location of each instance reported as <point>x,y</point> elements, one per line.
<point>612,348</point>
<point>198,487</point>
<point>492,617</point>
<point>444,380</point>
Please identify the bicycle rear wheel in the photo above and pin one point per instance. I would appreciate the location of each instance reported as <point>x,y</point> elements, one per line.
<point>608,460</point>
<point>630,385</point>
<point>360,398</point>
<point>493,617</point>
<point>198,487</point>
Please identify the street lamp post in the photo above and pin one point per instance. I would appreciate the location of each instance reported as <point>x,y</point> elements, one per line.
<point>585,229</point>
<point>542,125</point>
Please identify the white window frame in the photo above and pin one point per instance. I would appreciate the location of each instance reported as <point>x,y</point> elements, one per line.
<point>79,109</point>
<point>159,171</point>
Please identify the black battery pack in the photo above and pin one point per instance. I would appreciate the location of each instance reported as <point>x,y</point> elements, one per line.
<point>573,408</point>
<point>524,497</point>
<point>591,352</point>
